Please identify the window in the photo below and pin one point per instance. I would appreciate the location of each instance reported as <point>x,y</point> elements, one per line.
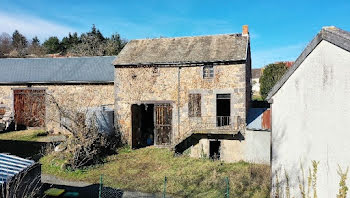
<point>208,71</point>
<point>223,109</point>
<point>194,105</point>
<point>155,71</point>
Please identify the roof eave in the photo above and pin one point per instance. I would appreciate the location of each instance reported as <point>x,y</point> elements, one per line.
<point>177,64</point>
<point>324,34</point>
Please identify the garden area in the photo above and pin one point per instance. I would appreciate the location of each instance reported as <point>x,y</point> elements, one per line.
<point>144,170</point>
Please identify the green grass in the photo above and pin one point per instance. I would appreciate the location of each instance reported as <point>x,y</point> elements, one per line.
<point>144,170</point>
<point>26,135</point>
<point>257,98</point>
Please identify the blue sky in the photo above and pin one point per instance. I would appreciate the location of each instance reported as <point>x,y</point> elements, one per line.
<point>279,29</point>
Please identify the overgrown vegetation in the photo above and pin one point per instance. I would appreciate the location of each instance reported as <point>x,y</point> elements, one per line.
<point>92,43</point>
<point>309,187</point>
<point>271,75</point>
<point>86,144</point>
<point>145,169</point>
<point>343,188</point>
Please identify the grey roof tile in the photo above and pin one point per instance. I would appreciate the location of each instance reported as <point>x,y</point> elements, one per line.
<point>57,70</point>
<point>182,50</point>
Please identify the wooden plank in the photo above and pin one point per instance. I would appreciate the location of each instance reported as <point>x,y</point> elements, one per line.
<point>29,106</point>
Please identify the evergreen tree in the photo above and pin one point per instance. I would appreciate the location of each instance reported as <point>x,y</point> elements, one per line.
<point>19,43</point>
<point>114,45</point>
<point>35,42</point>
<point>271,74</point>
<point>69,42</point>
<point>52,45</point>
<point>35,47</point>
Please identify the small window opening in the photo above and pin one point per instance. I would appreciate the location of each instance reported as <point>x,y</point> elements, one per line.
<point>214,150</point>
<point>208,71</point>
<point>155,71</point>
<point>194,105</point>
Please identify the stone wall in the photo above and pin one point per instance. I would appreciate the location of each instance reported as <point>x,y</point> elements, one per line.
<point>174,84</point>
<point>67,96</point>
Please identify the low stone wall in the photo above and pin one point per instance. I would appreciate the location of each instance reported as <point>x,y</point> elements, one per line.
<point>255,148</point>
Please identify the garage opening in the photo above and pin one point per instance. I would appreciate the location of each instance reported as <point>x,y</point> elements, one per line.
<point>214,149</point>
<point>151,124</point>
<point>142,125</point>
<point>30,109</point>
<point>223,109</point>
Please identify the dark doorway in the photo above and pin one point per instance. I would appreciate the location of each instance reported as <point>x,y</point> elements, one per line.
<point>142,125</point>
<point>223,109</point>
<point>214,149</point>
<point>29,105</point>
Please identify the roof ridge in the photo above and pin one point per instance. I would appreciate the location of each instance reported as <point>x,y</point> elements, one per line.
<point>331,34</point>
<point>179,37</point>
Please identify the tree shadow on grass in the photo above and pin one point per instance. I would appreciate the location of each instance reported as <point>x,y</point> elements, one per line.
<point>24,149</point>
<point>90,191</point>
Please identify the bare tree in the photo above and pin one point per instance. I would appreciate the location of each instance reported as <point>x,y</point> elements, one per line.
<point>25,184</point>
<point>5,44</point>
<point>35,48</point>
<point>86,144</point>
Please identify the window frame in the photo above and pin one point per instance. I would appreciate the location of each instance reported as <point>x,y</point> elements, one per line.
<point>208,71</point>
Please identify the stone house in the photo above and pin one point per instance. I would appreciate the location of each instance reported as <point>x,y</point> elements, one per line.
<point>311,112</point>
<point>256,74</point>
<point>188,93</point>
<point>26,84</point>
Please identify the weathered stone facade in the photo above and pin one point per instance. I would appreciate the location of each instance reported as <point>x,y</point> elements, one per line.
<point>74,96</point>
<point>135,85</point>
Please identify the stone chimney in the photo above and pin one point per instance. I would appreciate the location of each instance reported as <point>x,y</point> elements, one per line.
<point>245,31</point>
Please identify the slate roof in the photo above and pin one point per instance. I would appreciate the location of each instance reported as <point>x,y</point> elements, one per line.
<point>184,50</point>
<point>57,70</point>
<point>331,34</point>
<point>256,73</point>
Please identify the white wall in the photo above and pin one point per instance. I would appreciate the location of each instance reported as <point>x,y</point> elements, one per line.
<point>257,146</point>
<point>311,119</point>
<point>256,86</point>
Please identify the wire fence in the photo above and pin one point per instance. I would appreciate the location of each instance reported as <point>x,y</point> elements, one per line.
<point>108,192</point>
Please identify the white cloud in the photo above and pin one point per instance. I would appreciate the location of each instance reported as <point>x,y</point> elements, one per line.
<point>32,26</point>
<point>261,58</point>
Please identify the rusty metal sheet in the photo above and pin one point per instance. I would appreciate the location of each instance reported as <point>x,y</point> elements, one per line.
<point>266,119</point>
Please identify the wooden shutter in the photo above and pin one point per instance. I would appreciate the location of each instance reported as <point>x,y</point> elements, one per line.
<point>194,105</point>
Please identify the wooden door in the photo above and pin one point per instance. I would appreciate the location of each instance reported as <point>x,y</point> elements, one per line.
<point>163,119</point>
<point>29,105</point>
<point>136,125</point>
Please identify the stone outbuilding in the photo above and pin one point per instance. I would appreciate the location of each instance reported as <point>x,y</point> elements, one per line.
<point>311,114</point>
<point>27,83</point>
<point>188,93</point>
